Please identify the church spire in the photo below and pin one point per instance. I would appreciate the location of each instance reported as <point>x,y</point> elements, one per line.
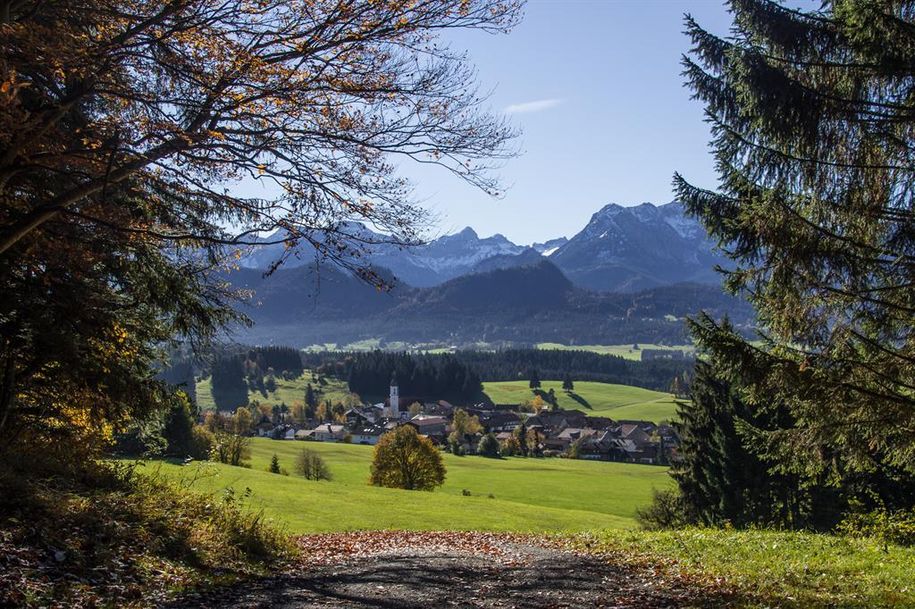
<point>394,402</point>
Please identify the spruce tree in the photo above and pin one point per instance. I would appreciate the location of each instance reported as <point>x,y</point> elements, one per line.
<point>534,379</point>
<point>812,120</point>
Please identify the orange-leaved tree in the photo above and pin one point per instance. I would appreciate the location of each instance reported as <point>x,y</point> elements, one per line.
<point>133,132</point>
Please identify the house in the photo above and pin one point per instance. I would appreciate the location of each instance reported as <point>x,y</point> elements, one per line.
<point>264,428</point>
<point>440,408</point>
<point>357,418</point>
<point>430,426</point>
<point>504,436</point>
<point>500,421</point>
<point>367,434</point>
<point>564,439</point>
<point>599,423</point>
<point>326,432</point>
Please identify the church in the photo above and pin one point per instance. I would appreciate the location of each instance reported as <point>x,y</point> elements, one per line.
<point>392,410</point>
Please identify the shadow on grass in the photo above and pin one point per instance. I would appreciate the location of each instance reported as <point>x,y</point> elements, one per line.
<point>579,399</point>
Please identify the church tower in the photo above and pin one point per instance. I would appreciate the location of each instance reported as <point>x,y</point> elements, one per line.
<point>395,398</point>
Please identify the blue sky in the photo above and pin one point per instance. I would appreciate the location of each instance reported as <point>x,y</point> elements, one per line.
<point>595,87</point>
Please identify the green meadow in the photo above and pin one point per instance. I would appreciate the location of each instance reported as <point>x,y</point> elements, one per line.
<point>597,399</point>
<point>526,494</point>
<point>287,392</point>
<point>624,351</point>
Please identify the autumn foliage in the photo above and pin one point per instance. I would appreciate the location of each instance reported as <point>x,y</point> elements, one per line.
<point>131,132</point>
<point>404,459</point>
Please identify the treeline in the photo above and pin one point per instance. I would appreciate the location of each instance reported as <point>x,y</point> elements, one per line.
<point>424,376</point>
<point>457,376</point>
<point>234,373</point>
<point>512,364</point>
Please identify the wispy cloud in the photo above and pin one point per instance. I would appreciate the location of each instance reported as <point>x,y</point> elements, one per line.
<point>533,106</point>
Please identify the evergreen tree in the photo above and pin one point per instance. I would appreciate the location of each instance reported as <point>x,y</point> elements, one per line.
<point>567,383</point>
<point>274,465</point>
<point>720,480</point>
<point>227,383</point>
<point>812,117</point>
<point>178,427</point>
<point>534,379</point>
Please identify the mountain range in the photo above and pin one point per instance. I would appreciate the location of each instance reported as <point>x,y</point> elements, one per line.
<point>631,275</point>
<point>621,249</point>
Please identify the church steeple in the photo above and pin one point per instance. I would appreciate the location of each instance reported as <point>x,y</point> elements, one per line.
<point>394,397</point>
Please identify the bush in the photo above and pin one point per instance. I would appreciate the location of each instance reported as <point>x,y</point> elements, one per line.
<point>311,466</point>
<point>488,446</point>
<point>108,517</point>
<point>231,448</point>
<point>510,447</point>
<point>202,441</point>
<point>404,459</point>
<point>667,510</point>
<point>887,526</point>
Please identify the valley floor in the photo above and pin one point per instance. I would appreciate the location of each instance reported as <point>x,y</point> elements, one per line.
<point>512,494</point>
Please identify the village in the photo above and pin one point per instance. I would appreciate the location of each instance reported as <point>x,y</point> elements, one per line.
<point>549,432</point>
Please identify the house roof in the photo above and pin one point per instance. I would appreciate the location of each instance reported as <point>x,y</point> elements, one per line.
<point>425,420</point>
<point>329,428</point>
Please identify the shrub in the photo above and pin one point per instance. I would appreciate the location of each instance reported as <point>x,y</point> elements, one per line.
<point>311,466</point>
<point>574,450</point>
<point>896,527</point>
<point>667,510</point>
<point>231,448</point>
<point>488,446</point>
<point>404,459</point>
<point>510,447</point>
<point>202,441</point>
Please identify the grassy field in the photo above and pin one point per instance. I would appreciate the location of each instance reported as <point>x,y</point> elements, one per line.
<point>286,392</point>
<point>624,351</point>
<point>598,399</point>
<point>528,494</point>
<point>772,568</point>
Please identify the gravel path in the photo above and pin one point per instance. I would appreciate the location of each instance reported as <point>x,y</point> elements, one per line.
<point>421,570</point>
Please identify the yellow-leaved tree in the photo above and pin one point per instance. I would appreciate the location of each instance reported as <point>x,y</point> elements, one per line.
<point>126,129</point>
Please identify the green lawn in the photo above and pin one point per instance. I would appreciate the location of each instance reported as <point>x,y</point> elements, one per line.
<point>529,494</point>
<point>286,392</point>
<point>598,399</point>
<point>624,351</point>
<point>772,568</point>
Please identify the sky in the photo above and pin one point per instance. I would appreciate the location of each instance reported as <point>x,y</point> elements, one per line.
<point>595,88</point>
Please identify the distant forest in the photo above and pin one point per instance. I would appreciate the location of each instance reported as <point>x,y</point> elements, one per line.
<point>455,377</point>
<point>452,376</point>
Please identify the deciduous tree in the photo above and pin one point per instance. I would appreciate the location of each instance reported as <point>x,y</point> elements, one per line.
<point>126,128</point>
<point>404,459</point>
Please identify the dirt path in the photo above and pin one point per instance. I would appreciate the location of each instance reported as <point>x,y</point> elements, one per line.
<point>421,570</point>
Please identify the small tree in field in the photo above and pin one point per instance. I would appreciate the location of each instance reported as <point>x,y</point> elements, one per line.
<point>311,466</point>
<point>274,465</point>
<point>534,380</point>
<point>488,446</point>
<point>404,459</point>
<point>567,383</point>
